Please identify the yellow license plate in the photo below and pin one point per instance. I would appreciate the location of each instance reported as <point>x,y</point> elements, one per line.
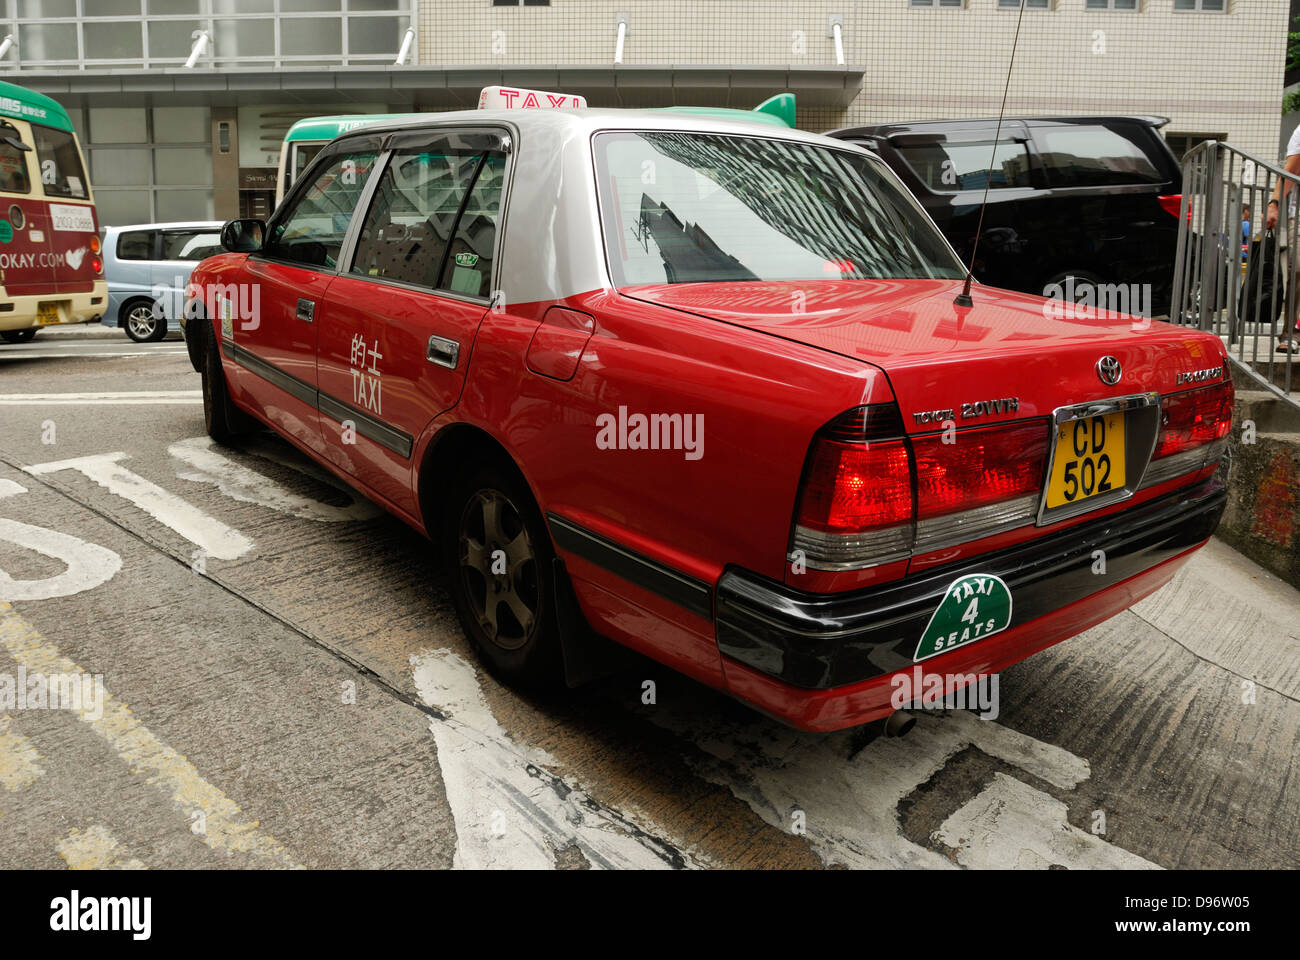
<point>1089,459</point>
<point>47,313</point>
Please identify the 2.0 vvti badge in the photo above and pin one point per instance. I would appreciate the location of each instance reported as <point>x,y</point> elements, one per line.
<point>508,284</point>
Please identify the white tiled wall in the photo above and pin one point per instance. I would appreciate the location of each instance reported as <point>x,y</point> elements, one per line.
<point>1209,72</point>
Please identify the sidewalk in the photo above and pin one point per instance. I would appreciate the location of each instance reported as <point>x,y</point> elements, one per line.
<point>81,331</point>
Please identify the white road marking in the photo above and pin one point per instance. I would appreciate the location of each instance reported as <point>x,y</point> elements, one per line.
<point>209,534</point>
<point>19,762</point>
<point>95,849</point>
<point>248,486</point>
<point>226,830</point>
<point>1010,825</point>
<point>88,564</point>
<point>118,398</point>
<point>85,355</point>
<point>849,804</point>
<point>507,816</point>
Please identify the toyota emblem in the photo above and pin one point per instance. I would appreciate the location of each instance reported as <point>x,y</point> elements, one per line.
<point>1109,370</point>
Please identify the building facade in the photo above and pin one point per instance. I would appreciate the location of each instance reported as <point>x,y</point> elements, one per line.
<point>171,141</point>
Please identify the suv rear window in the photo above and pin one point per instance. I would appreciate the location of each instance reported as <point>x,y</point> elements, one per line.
<point>1077,155</point>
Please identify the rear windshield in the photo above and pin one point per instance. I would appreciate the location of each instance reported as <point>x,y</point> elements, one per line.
<point>692,208</point>
<point>13,161</point>
<point>1080,155</point>
<point>60,163</point>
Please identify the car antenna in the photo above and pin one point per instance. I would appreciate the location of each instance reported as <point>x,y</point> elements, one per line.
<point>963,299</point>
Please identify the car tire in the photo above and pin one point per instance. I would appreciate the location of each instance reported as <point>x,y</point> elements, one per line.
<point>505,600</point>
<point>18,336</point>
<point>223,420</point>
<point>142,321</point>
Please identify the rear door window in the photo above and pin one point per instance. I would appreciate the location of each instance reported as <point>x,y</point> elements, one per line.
<point>60,163</point>
<point>190,245</point>
<point>434,216</point>
<point>947,167</point>
<point>1091,155</point>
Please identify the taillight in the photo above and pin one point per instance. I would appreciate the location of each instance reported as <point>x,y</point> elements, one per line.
<point>97,265</point>
<point>974,468</point>
<point>94,243</point>
<point>870,495</point>
<point>1193,434</point>
<point>1193,418</point>
<point>855,504</point>
<point>851,488</point>
<point>1173,205</point>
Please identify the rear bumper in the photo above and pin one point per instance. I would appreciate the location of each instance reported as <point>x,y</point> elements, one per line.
<point>824,661</point>
<point>73,307</point>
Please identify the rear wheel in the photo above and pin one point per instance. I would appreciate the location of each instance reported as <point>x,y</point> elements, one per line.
<point>224,421</point>
<point>499,554</point>
<point>18,336</point>
<point>144,323</point>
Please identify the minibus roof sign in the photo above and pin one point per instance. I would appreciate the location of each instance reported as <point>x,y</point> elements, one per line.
<point>23,104</point>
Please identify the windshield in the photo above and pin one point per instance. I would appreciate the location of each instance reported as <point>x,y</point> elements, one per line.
<point>691,208</point>
<point>60,163</point>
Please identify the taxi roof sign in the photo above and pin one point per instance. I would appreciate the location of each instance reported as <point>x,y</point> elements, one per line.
<point>521,98</point>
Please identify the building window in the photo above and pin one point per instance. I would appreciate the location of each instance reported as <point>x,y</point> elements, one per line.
<point>148,165</point>
<point>1202,6</point>
<point>1111,4</point>
<point>244,33</point>
<point>516,3</point>
<point>1029,4</point>
<point>938,3</point>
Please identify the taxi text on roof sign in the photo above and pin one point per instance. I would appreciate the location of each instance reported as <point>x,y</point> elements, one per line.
<point>512,98</point>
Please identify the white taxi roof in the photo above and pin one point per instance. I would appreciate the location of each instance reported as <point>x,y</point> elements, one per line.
<point>551,203</point>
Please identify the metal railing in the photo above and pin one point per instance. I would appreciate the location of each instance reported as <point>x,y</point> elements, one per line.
<point>1238,282</point>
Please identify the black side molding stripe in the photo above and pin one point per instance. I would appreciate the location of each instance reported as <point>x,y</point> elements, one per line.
<point>287,382</point>
<point>673,585</point>
<point>370,428</point>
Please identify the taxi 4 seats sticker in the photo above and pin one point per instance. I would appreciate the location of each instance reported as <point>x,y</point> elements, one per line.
<point>973,607</point>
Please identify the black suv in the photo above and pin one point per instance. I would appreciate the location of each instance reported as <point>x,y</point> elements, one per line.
<point>1093,198</point>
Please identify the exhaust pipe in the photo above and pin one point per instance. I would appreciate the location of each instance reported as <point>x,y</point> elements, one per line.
<point>899,724</point>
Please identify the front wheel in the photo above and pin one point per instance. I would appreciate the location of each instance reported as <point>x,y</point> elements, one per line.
<point>18,336</point>
<point>223,420</point>
<point>499,554</point>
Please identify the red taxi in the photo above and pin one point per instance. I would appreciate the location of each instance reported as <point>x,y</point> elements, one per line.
<point>704,386</point>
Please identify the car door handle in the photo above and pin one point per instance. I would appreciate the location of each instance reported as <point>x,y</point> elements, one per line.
<point>444,352</point>
<point>306,311</point>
